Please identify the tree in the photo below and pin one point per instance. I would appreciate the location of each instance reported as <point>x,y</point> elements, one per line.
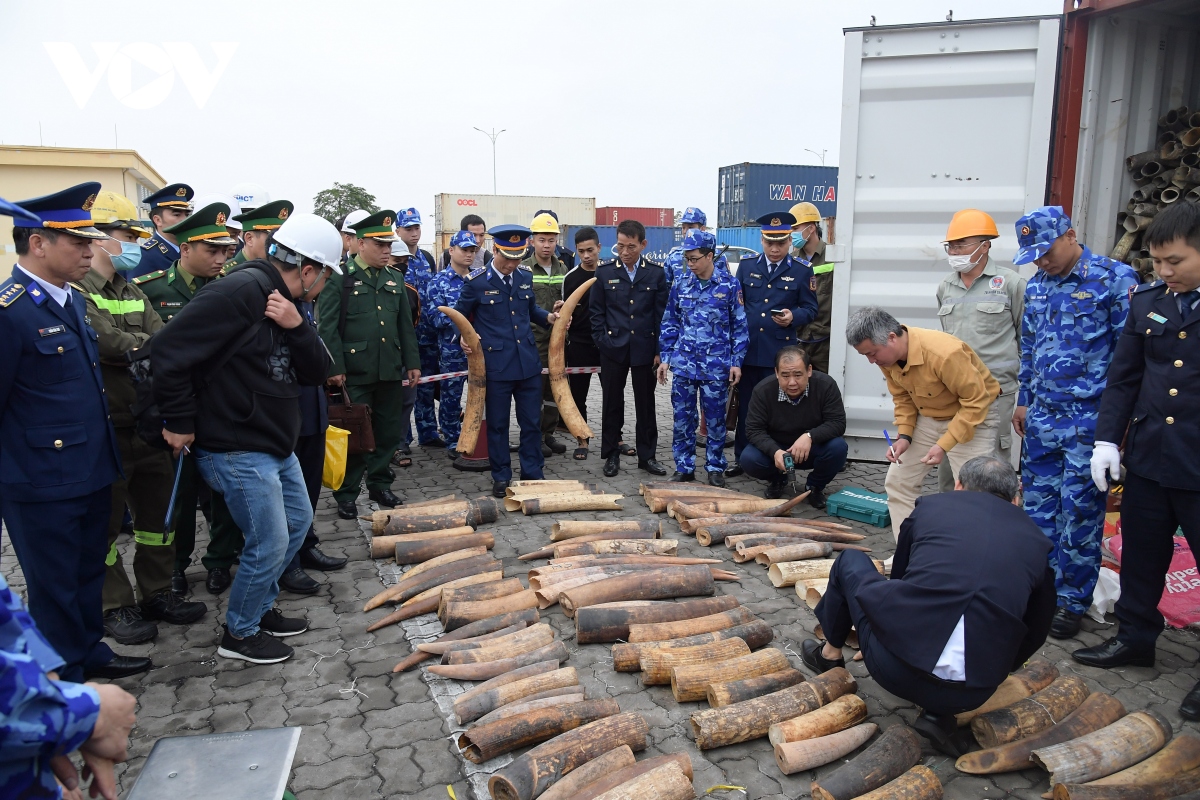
<point>342,199</point>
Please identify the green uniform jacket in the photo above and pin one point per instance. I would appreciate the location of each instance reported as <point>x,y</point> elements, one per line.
<point>167,291</point>
<point>123,320</point>
<point>547,290</point>
<point>819,328</point>
<point>234,263</point>
<point>380,343</point>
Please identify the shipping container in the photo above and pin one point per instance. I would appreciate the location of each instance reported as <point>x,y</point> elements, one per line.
<point>650,217</point>
<point>747,191</point>
<point>749,236</point>
<point>659,240</point>
<point>506,209</point>
<point>1118,66</point>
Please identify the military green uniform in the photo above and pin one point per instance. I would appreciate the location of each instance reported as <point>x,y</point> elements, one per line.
<point>547,290</point>
<point>814,337</point>
<point>232,264</point>
<point>123,320</point>
<point>376,348</point>
<point>169,290</point>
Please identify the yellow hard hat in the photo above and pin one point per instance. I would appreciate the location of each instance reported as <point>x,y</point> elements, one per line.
<point>805,212</point>
<point>544,223</point>
<point>971,222</point>
<point>112,210</point>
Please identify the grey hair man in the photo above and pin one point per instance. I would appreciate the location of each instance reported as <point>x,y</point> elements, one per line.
<point>992,475</point>
<point>943,396</point>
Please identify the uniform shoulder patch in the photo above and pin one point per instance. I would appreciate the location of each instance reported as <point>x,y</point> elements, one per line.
<point>149,243</point>
<point>149,277</point>
<point>77,288</point>
<point>650,263</point>
<point>1145,287</point>
<point>10,293</point>
<point>608,263</point>
<point>525,267</point>
<point>475,273</point>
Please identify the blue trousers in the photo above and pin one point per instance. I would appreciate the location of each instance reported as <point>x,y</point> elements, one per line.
<point>825,460</point>
<point>268,500</point>
<point>427,429</point>
<point>1061,498</point>
<point>528,396</point>
<point>713,395</point>
<point>450,405</point>
<point>751,377</point>
<point>61,547</point>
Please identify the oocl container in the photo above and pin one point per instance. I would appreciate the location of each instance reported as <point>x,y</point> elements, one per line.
<point>509,209</point>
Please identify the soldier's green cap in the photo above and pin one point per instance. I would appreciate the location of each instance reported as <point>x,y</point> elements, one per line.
<point>377,226</point>
<point>266,217</point>
<point>206,225</point>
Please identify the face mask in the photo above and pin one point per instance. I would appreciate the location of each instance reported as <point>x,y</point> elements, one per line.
<point>798,239</point>
<point>130,257</point>
<point>963,263</point>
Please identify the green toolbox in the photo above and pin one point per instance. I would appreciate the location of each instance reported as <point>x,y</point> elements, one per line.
<point>859,504</point>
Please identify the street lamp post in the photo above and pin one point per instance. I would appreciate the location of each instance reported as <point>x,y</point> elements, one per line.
<point>494,135</point>
<point>820,155</point>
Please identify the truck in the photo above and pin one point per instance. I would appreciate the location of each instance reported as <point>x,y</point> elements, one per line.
<point>1002,115</point>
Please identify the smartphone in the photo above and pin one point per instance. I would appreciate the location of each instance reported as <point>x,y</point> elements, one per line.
<point>778,312</point>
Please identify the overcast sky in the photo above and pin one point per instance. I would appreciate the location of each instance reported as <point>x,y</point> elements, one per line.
<point>633,103</point>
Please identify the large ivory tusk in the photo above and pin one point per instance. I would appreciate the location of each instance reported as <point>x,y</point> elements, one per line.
<point>557,364</point>
<point>476,381</point>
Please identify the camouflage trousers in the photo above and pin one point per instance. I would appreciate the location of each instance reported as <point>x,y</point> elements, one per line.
<point>1061,498</point>
<point>712,397</point>
<point>427,424</point>
<point>450,405</point>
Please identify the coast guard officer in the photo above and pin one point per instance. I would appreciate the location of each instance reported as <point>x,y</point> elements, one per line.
<point>58,451</point>
<point>691,219</point>
<point>168,206</point>
<point>780,294</point>
<point>499,301</point>
<point>1152,388</point>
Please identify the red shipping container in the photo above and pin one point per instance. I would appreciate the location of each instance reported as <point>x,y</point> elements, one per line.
<point>650,217</point>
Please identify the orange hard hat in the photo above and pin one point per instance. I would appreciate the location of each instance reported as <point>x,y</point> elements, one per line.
<point>971,222</point>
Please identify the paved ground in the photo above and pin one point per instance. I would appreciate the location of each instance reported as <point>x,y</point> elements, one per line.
<point>368,733</point>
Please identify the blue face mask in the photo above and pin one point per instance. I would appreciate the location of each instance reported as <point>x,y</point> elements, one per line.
<point>798,239</point>
<point>130,257</point>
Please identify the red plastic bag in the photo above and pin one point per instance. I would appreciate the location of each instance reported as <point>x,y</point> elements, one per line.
<point>1180,602</point>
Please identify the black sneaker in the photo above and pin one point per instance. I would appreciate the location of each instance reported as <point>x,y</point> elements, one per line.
<point>816,497</point>
<point>774,489</point>
<point>276,624</point>
<point>260,648</point>
<point>126,626</point>
<point>170,607</point>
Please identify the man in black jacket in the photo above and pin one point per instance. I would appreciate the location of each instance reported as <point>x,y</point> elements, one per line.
<point>244,420</point>
<point>627,305</point>
<point>798,413</point>
<point>970,599</point>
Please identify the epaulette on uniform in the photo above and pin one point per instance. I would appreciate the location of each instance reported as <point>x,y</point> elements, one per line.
<point>475,273</point>
<point>78,288</point>
<point>149,277</point>
<point>525,267</point>
<point>608,263</point>
<point>1145,287</point>
<point>650,263</point>
<point>9,292</point>
<point>149,243</point>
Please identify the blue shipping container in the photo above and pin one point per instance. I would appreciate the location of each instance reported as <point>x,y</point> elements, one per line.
<point>659,241</point>
<point>749,237</point>
<point>747,191</point>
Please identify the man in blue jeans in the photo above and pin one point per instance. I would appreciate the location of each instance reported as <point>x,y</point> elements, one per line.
<point>797,412</point>
<point>244,420</point>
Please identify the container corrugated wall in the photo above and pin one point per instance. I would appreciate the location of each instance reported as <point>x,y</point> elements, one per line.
<point>509,209</point>
<point>747,191</point>
<point>650,217</point>
<point>749,236</point>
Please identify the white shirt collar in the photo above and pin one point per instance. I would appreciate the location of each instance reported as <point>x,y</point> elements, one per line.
<point>58,295</point>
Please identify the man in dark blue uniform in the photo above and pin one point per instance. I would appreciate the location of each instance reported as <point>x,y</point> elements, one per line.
<point>781,297</point>
<point>168,206</point>
<point>58,451</point>
<point>628,300</point>
<point>1152,382</point>
<point>514,371</point>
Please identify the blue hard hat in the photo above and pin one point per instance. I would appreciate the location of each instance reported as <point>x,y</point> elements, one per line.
<point>463,239</point>
<point>1037,231</point>
<point>408,217</point>
<point>694,216</point>
<point>696,239</point>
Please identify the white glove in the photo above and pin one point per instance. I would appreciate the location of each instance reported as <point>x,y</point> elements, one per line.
<point>1105,457</point>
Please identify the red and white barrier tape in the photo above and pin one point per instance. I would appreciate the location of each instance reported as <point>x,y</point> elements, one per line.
<point>445,376</point>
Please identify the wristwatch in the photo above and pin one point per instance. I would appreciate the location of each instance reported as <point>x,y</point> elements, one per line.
<point>905,437</point>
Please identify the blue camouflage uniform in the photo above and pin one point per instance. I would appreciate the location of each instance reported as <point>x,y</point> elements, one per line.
<point>418,275</point>
<point>1068,335</point>
<point>673,264</point>
<point>704,334</point>
<point>444,290</point>
<point>157,252</point>
<point>39,717</point>
<point>514,371</point>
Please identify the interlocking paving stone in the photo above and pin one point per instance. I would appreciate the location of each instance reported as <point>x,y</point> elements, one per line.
<point>369,733</point>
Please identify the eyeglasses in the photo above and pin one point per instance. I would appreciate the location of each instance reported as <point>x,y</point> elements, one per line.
<point>694,259</point>
<point>959,248</point>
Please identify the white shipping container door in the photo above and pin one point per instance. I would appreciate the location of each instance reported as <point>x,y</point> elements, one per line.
<point>504,209</point>
<point>935,118</point>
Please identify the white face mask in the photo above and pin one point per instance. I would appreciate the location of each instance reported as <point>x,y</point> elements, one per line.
<point>963,263</point>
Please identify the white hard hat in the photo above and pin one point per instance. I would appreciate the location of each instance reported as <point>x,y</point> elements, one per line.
<point>312,237</point>
<point>353,217</point>
<point>207,199</point>
<point>400,249</point>
<point>250,195</point>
